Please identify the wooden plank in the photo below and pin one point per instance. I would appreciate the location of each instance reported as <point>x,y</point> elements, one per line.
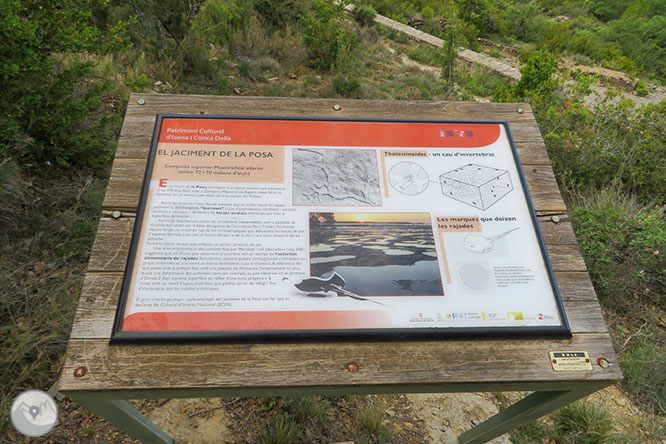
<point>267,106</point>
<point>543,189</point>
<point>124,186</point>
<point>319,364</point>
<point>97,305</point>
<point>557,233</point>
<point>99,298</point>
<point>113,238</point>
<point>112,242</point>
<point>127,176</point>
<point>136,133</point>
<point>324,390</point>
<point>565,258</point>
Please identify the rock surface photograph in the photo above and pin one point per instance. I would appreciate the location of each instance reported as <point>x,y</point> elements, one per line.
<point>336,177</point>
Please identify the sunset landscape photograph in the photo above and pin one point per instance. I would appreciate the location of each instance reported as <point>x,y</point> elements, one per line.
<point>378,254</point>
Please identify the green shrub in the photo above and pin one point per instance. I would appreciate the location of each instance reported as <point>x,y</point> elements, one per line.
<point>347,85</point>
<point>537,76</point>
<point>268,64</point>
<point>537,81</point>
<point>610,144</point>
<point>248,70</point>
<point>324,36</point>
<point>606,10</point>
<point>139,83</point>
<point>480,82</point>
<point>278,14</point>
<point>51,110</point>
<point>642,89</point>
<point>623,245</point>
<point>643,364</point>
<point>312,81</point>
<point>427,13</point>
<point>365,15</point>
<point>392,34</point>
<point>426,54</point>
<point>642,40</point>
<point>477,13</point>
<point>215,24</point>
<point>525,21</point>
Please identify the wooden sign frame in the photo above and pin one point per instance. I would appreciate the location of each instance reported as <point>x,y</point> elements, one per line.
<point>121,335</point>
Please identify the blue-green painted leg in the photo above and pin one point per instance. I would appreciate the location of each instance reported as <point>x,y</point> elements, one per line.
<point>120,413</point>
<point>531,407</point>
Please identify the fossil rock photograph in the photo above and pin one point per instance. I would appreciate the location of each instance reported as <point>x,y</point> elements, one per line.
<point>336,177</point>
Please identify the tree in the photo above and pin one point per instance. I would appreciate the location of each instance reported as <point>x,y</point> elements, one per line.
<point>324,36</point>
<point>49,106</point>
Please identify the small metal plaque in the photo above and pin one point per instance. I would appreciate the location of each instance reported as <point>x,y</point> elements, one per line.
<point>570,361</point>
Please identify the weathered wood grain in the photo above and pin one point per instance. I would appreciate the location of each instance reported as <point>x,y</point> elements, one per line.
<point>557,233</point>
<point>127,176</point>
<point>565,258</point>
<point>427,363</point>
<point>112,241</point>
<point>389,109</point>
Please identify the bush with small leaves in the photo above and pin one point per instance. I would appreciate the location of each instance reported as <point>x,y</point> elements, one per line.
<point>51,111</point>
<point>324,36</point>
<point>365,15</point>
<point>642,89</point>
<point>346,85</point>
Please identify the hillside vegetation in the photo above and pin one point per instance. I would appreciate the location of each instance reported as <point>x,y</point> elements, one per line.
<point>624,35</point>
<point>67,67</point>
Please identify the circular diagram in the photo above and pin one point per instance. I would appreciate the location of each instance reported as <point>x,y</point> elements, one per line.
<point>408,178</point>
<point>474,276</point>
<point>34,413</point>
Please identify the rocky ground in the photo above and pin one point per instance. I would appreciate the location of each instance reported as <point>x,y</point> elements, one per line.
<point>408,419</point>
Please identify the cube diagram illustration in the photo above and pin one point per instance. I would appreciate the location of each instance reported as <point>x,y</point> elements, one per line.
<point>476,185</point>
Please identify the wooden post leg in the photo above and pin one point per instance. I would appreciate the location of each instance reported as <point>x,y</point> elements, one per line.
<point>120,413</point>
<point>531,407</point>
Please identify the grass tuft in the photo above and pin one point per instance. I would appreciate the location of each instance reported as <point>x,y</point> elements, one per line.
<point>577,423</point>
<point>644,366</point>
<point>44,248</point>
<point>584,423</point>
<point>281,431</point>
<point>307,408</point>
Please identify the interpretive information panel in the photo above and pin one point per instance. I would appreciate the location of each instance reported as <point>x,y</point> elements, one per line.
<point>279,227</point>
